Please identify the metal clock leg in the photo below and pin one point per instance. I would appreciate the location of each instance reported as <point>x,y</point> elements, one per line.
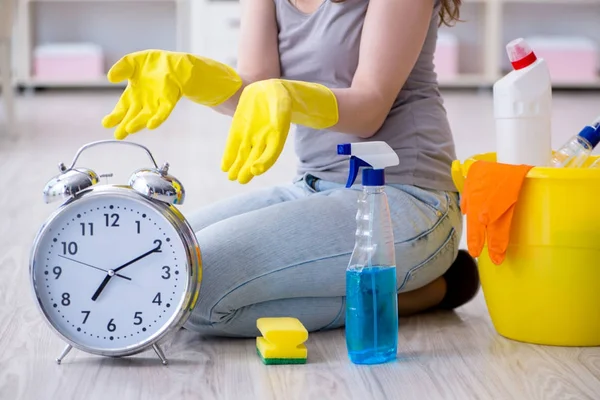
<point>64,354</point>
<point>160,354</point>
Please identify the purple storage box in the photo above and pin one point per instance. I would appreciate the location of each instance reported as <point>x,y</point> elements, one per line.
<point>446,57</point>
<point>570,59</point>
<point>69,62</point>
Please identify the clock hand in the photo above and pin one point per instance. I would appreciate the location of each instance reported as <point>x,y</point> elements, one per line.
<point>91,266</point>
<point>111,272</point>
<point>154,250</point>
<point>102,286</point>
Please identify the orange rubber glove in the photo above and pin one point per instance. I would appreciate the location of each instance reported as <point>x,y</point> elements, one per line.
<point>490,193</point>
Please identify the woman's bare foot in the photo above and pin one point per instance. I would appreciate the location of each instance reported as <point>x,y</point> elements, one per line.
<point>453,289</point>
<point>462,280</point>
<point>422,299</point>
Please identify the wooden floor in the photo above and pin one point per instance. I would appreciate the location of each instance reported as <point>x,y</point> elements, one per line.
<point>441,356</point>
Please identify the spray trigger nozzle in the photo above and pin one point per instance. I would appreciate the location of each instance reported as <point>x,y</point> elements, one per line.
<point>374,156</point>
<point>355,164</point>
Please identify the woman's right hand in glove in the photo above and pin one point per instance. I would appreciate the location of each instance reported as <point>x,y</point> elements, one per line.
<point>157,79</point>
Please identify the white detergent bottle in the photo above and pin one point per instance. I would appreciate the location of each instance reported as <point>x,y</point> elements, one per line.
<point>523,109</point>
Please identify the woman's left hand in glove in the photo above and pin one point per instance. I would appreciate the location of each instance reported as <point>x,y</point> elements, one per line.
<point>262,121</point>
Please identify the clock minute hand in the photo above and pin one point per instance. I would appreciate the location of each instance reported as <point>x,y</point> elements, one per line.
<point>154,250</point>
<point>112,272</point>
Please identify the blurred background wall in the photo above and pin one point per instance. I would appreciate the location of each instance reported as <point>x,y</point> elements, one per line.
<point>70,43</point>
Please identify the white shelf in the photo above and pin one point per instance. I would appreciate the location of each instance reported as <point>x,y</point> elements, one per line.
<point>551,1</point>
<point>482,54</point>
<point>211,28</point>
<point>499,21</point>
<point>466,81</point>
<point>86,83</point>
<point>577,85</point>
<point>117,26</point>
<point>100,1</point>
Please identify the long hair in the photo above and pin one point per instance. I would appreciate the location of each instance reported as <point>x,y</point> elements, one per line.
<point>449,12</point>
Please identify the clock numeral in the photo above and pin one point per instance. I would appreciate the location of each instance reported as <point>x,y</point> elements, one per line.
<point>139,226</point>
<point>158,244</point>
<point>66,299</point>
<point>70,248</point>
<point>157,299</point>
<point>111,326</point>
<point>167,270</point>
<point>87,314</point>
<point>115,219</point>
<point>57,271</point>
<point>83,230</point>
<point>138,318</point>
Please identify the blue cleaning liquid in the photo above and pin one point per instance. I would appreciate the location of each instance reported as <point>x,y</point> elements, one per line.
<point>371,315</point>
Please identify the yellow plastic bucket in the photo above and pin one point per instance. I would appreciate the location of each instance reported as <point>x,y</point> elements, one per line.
<point>547,291</point>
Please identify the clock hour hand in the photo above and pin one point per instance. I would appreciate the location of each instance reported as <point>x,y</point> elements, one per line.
<point>102,286</point>
<point>91,266</point>
<point>111,272</point>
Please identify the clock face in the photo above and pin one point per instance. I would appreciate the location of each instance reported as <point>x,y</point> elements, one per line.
<point>110,272</point>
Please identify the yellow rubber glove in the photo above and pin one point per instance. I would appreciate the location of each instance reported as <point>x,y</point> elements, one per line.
<point>262,120</point>
<point>157,80</point>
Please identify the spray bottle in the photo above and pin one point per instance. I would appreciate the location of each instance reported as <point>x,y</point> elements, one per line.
<point>371,295</point>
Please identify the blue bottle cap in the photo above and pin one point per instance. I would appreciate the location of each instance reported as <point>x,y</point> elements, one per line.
<point>591,134</point>
<point>373,177</point>
<point>344,149</point>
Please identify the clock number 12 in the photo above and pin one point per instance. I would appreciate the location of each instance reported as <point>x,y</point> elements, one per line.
<point>112,217</point>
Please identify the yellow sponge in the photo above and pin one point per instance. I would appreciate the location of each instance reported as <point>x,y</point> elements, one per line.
<point>282,341</point>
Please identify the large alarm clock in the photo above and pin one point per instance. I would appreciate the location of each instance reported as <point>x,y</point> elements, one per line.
<point>115,268</point>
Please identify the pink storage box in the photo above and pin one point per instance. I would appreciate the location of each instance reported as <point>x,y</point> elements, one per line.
<point>69,61</point>
<point>570,59</point>
<point>446,57</point>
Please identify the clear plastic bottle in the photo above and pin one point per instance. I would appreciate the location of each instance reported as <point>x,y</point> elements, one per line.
<point>576,151</point>
<point>595,164</point>
<point>371,294</point>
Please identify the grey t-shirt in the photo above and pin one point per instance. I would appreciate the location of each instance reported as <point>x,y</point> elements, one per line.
<point>323,47</point>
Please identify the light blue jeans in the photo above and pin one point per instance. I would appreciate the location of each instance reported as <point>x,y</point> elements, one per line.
<point>283,251</point>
